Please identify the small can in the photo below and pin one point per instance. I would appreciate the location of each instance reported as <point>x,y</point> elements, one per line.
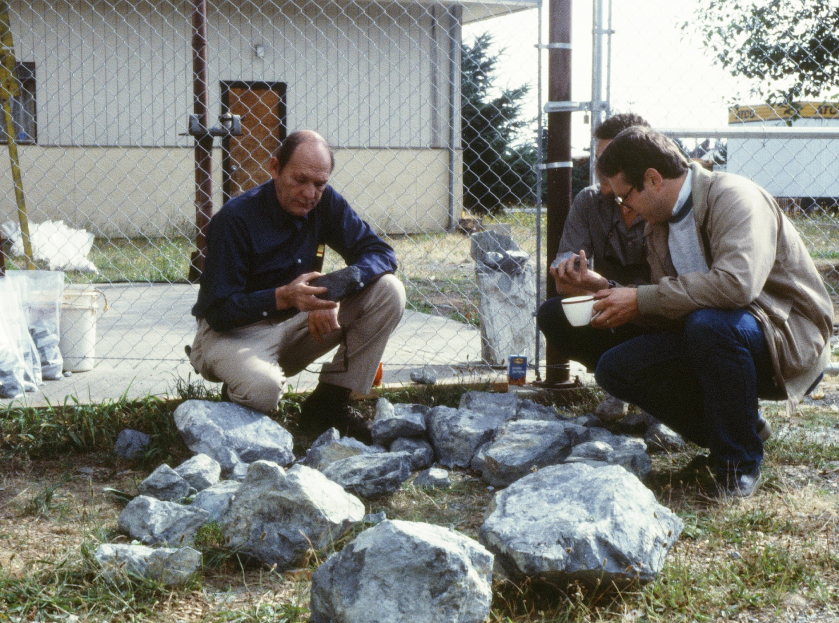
<point>517,369</point>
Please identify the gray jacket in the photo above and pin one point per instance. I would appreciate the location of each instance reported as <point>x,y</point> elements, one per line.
<point>757,262</point>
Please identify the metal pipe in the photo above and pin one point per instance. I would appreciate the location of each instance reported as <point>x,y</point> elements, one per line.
<point>596,80</point>
<point>763,132</point>
<point>559,150</point>
<point>538,350</point>
<point>204,143</point>
<point>454,50</point>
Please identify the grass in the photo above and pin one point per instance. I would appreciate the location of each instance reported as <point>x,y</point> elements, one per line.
<point>759,559</point>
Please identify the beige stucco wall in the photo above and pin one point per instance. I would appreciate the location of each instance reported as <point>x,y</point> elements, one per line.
<point>130,192</point>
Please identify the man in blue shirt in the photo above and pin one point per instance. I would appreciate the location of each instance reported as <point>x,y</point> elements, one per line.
<point>259,320</point>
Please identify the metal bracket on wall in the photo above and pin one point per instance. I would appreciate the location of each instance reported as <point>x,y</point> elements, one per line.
<point>230,125</point>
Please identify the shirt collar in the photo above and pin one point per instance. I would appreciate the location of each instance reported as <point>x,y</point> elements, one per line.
<point>683,206</point>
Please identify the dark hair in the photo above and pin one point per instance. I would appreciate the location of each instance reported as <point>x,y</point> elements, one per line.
<point>616,124</point>
<point>294,140</point>
<point>637,149</point>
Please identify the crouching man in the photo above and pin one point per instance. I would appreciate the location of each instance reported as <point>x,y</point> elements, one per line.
<point>753,316</point>
<point>259,319</point>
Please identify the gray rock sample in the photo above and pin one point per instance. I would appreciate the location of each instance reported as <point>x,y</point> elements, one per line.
<point>153,522</point>
<point>278,515</point>
<point>661,438</point>
<point>422,454</point>
<point>479,458</point>
<point>424,376</point>
<point>232,434</point>
<point>611,409</point>
<point>507,326</point>
<point>503,406</point>
<point>529,410</point>
<point>521,446</point>
<point>131,444</point>
<point>400,571</point>
<point>371,475</point>
<point>628,452</point>
<point>201,471</point>
<point>339,284</point>
<point>457,433</point>
<point>327,450</point>
<point>164,483</point>
<point>169,566</point>
<point>433,478</point>
<point>374,518</point>
<point>218,499</point>
<point>496,240</point>
<point>574,522</point>
<point>393,421</point>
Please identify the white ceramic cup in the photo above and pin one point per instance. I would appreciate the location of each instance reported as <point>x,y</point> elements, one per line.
<point>578,309</point>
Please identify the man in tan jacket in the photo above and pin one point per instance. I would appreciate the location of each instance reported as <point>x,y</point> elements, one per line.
<point>737,309</point>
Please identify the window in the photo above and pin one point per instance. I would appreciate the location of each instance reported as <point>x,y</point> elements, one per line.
<point>23,107</point>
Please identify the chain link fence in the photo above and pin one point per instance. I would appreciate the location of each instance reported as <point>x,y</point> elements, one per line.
<point>433,130</point>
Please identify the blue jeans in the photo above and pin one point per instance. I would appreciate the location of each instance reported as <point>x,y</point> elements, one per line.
<point>703,383</point>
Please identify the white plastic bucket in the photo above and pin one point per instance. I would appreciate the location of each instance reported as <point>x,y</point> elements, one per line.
<point>78,328</point>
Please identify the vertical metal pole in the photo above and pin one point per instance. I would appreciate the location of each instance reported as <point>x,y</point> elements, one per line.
<point>455,13</point>
<point>203,143</point>
<point>558,154</point>
<point>596,80</point>
<point>538,348</point>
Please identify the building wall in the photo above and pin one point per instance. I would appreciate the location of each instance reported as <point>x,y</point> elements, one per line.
<point>132,192</point>
<point>114,91</point>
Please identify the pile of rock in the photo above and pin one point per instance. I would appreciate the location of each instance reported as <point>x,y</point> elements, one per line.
<point>574,506</point>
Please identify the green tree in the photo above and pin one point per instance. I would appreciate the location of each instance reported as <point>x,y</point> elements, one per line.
<point>496,170</point>
<point>788,48</point>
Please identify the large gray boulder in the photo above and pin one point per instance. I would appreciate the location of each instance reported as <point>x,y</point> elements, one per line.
<point>529,410</point>
<point>232,434</point>
<point>160,523</point>
<point>277,515</point>
<point>401,572</point>
<point>201,471</point>
<point>331,447</point>
<point>218,499</point>
<point>167,565</point>
<point>164,483</point>
<point>575,522</point>
<point>457,433</point>
<point>371,475</point>
<point>393,421</point>
<point>522,445</point>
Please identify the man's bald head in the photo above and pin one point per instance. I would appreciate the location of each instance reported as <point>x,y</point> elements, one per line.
<point>294,140</point>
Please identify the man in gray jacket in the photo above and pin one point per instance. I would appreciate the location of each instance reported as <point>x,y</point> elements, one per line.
<point>742,310</point>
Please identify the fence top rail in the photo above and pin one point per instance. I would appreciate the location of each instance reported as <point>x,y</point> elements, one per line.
<point>759,132</point>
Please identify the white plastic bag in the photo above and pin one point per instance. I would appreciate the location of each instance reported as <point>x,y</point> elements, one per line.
<point>41,292</point>
<point>53,242</point>
<point>16,376</point>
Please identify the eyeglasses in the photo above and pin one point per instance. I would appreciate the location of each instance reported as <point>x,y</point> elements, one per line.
<point>621,200</point>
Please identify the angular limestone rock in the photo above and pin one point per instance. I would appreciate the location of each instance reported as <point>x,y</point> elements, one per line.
<point>404,571</point>
<point>574,522</point>
<point>232,434</point>
<point>278,515</point>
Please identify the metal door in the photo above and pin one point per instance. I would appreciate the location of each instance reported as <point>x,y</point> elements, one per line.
<point>262,106</point>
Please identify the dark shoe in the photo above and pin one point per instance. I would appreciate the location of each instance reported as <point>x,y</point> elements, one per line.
<point>329,406</point>
<point>739,485</point>
<point>763,429</point>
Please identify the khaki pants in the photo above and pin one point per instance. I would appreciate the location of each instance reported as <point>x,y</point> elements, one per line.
<point>256,360</point>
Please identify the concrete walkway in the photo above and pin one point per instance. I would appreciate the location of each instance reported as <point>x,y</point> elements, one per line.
<point>142,333</point>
